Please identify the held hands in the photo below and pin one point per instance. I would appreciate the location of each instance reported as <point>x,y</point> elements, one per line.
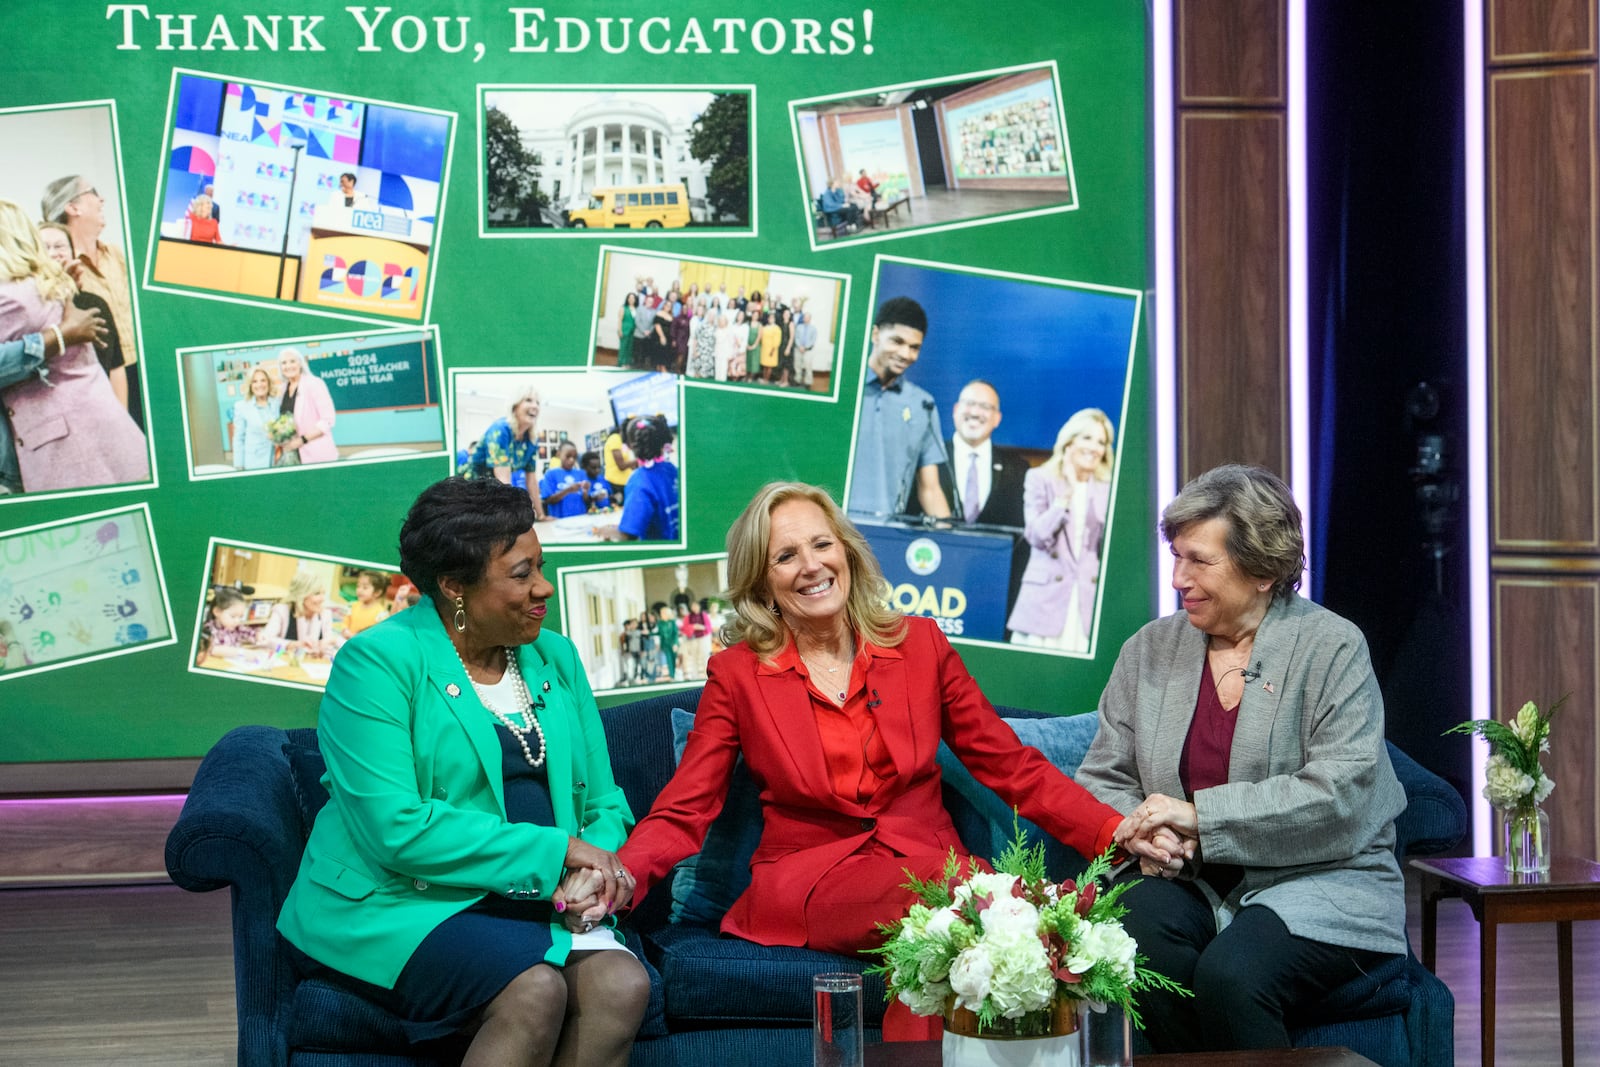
<point>595,886</point>
<point>1163,833</point>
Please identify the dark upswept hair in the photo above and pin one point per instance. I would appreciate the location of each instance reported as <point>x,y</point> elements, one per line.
<point>647,435</point>
<point>754,622</point>
<point>456,526</point>
<point>1264,538</point>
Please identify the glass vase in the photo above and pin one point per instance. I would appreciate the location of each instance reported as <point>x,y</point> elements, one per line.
<point>1527,840</point>
<point>1104,1037</point>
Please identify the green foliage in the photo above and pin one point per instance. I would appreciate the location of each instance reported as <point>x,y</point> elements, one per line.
<point>1018,859</point>
<point>511,173</point>
<point>721,137</point>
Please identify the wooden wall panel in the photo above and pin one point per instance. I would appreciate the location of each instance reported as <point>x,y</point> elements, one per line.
<point>1231,52</point>
<point>1232,281</point>
<point>1539,31</point>
<point>1548,644</point>
<point>1543,309</point>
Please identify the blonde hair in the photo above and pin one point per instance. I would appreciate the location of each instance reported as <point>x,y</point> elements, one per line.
<point>302,585</point>
<point>529,392</point>
<point>22,256</point>
<point>272,388</point>
<point>755,621</point>
<point>1080,422</point>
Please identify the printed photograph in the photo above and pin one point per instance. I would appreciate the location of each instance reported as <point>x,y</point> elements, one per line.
<point>570,159</point>
<point>72,412</point>
<point>645,624</point>
<point>610,475</point>
<point>270,615</point>
<point>719,323</point>
<point>81,590</point>
<point>930,155</point>
<point>343,398</point>
<point>299,197</point>
<point>985,459</point>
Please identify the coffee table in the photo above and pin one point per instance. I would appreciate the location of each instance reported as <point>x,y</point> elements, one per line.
<point>926,1054</point>
<point>1570,891</point>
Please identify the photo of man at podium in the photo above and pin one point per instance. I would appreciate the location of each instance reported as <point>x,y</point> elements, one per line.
<point>984,481</point>
<point>981,480</point>
<point>899,443</point>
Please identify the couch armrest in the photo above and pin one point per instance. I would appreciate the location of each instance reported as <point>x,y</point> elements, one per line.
<point>241,827</point>
<point>241,824</point>
<point>1435,819</point>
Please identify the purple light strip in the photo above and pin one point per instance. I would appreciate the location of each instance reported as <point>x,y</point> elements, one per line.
<point>1477,407</point>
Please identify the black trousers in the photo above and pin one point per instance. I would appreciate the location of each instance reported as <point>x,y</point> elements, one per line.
<point>1247,980</point>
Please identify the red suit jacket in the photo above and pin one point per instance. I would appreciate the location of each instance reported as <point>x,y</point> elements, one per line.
<point>925,694</point>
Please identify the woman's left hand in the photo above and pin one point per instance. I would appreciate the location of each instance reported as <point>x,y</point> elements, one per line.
<point>577,899</point>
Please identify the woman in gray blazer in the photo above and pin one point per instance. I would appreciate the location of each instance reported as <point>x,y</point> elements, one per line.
<point>1252,726</point>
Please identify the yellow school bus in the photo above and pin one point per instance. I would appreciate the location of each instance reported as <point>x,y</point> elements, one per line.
<point>632,207</point>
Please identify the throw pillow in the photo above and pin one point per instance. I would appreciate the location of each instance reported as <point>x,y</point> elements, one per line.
<point>706,885</point>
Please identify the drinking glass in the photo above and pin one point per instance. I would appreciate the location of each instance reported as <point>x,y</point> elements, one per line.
<point>836,1038</point>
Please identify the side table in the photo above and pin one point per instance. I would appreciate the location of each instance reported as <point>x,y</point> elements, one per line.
<point>1569,891</point>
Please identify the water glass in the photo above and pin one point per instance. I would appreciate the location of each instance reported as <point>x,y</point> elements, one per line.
<point>836,1027</point>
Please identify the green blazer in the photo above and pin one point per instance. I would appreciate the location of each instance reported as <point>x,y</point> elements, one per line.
<point>415,827</point>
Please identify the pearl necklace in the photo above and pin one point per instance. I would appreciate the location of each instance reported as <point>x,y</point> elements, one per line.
<point>525,708</point>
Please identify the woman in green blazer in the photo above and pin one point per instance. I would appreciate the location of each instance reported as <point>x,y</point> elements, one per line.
<point>471,796</point>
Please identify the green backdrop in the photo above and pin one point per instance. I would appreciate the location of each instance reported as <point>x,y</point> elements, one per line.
<point>517,301</point>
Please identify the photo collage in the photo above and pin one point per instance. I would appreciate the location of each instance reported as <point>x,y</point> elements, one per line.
<point>326,368</point>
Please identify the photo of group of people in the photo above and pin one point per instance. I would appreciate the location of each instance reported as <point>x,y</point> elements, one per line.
<point>341,398</point>
<point>622,485</point>
<point>937,154</point>
<point>81,590</point>
<point>281,193</point>
<point>1017,133</point>
<point>73,415</point>
<point>1019,494</point>
<point>268,615</point>
<point>645,624</point>
<point>719,322</point>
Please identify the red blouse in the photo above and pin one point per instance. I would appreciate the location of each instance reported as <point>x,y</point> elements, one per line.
<point>858,760</point>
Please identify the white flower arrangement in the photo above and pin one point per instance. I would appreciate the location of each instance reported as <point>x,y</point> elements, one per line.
<point>1514,778</point>
<point>1008,944</point>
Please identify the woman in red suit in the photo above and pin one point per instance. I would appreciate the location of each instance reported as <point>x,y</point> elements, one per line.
<point>838,706</point>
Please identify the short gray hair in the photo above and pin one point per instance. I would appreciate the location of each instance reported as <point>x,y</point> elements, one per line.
<point>1264,538</point>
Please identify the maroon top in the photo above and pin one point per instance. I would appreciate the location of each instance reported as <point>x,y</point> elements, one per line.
<point>1204,762</point>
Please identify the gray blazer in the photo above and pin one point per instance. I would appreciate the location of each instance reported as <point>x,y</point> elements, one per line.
<point>1310,802</point>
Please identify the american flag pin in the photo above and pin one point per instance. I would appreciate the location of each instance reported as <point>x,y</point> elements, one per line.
<point>1268,687</point>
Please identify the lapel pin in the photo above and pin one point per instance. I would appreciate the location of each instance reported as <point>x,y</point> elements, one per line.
<point>547,687</point>
<point>1268,687</point>
<point>453,689</point>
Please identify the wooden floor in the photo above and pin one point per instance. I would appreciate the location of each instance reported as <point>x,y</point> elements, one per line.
<point>143,975</point>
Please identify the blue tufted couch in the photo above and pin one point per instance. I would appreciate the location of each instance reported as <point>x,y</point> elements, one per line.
<point>714,999</point>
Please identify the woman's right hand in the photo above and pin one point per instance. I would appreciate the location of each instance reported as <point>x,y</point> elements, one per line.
<point>83,326</point>
<point>616,888</point>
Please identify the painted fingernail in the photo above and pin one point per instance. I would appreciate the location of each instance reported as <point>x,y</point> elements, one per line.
<point>561,905</point>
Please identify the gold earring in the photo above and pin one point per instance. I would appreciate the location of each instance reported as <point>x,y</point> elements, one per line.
<point>461,615</point>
